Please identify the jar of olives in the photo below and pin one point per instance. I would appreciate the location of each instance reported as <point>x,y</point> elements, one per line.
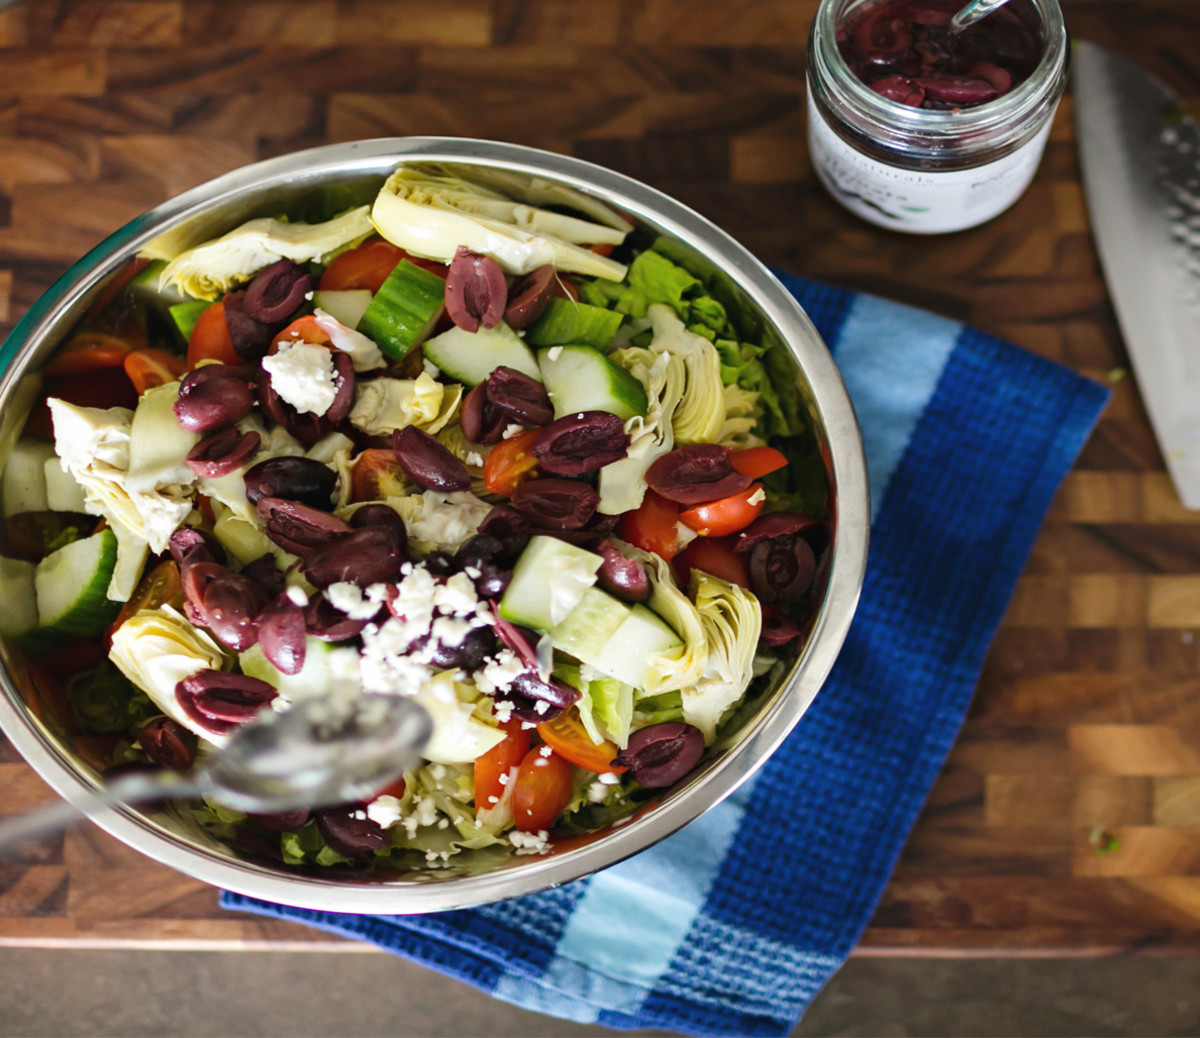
<point>919,129</point>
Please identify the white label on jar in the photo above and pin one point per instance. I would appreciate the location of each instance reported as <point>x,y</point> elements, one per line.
<point>911,200</point>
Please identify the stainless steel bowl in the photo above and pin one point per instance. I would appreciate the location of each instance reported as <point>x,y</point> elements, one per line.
<point>269,187</point>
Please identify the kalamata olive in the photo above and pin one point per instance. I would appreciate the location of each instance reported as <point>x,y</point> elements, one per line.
<point>661,754</point>
<point>508,526</point>
<point>592,533</point>
<point>521,640</point>
<point>529,297</point>
<point>343,399</point>
<point>327,623</point>
<point>696,473</point>
<point>282,821</point>
<point>773,524</point>
<point>440,563</point>
<point>187,544</point>
<point>379,515</point>
<point>265,574</point>
<point>222,452</point>
<point>298,528</point>
<point>229,606</point>
<point>578,444</point>
<point>550,690</point>
<point>195,576</point>
<point>555,504</point>
<point>349,831</point>
<point>622,577</point>
<point>212,397</point>
<point>307,427</point>
<point>476,291</point>
<point>168,743</point>
<point>781,569</point>
<point>292,478</point>
<point>900,89</point>
<point>282,634</point>
<point>956,91</point>
<point>492,581</point>
<point>478,549</point>
<point>880,38</point>
<point>479,643</point>
<point>277,291</point>
<point>519,397</point>
<point>429,464</point>
<point>249,337</point>
<point>481,421</point>
<point>531,711</point>
<point>778,630</point>
<point>371,555</point>
<point>220,702</point>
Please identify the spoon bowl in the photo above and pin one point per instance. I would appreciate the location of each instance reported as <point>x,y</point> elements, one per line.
<point>973,12</point>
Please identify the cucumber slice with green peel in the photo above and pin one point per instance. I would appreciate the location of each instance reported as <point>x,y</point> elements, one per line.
<point>346,306</point>
<point>72,586</point>
<point>566,321</point>
<point>471,356</point>
<point>23,488</point>
<point>548,581</point>
<point>314,677</point>
<point>63,494</point>
<point>185,315</point>
<point>404,310</point>
<point>18,611</point>
<point>644,633</point>
<point>589,625</point>
<point>579,378</point>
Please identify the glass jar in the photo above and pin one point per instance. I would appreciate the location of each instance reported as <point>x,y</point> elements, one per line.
<point>920,170</point>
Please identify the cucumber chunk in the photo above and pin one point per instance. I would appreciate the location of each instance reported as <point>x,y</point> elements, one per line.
<point>63,494</point>
<point>346,306</point>
<point>566,321</point>
<point>644,633</point>
<point>185,315</point>
<point>471,356</point>
<point>72,586</point>
<point>589,625</point>
<point>579,378</point>
<point>23,488</point>
<point>404,310</point>
<point>548,581</point>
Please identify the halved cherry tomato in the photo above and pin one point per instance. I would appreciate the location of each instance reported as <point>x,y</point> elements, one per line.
<point>150,368</point>
<point>713,555</point>
<point>602,248</point>
<point>122,278</point>
<point>651,526</point>
<point>87,352</point>
<point>395,789</point>
<point>510,463</point>
<point>566,735</point>
<point>303,329</point>
<point>726,515</point>
<point>542,790</point>
<point>367,266</point>
<point>376,475</point>
<point>756,462</point>
<point>161,586</point>
<point>499,761</point>
<point>210,338</point>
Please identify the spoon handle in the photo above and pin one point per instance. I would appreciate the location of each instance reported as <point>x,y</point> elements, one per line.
<point>131,789</point>
<point>972,12</point>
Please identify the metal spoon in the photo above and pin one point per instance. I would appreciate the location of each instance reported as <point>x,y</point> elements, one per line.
<point>970,14</point>
<point>315,755</point>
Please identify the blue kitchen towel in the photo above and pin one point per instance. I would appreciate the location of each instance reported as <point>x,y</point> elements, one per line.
<point>732,925</point>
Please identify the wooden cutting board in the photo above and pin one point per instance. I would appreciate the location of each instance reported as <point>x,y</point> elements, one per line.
<point>1067,819</point>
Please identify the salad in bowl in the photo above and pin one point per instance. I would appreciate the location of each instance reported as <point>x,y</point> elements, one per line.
<point>479,439</point>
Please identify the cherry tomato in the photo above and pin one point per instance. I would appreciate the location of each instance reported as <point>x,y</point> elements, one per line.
<point>542,790</point>
<point>756,462</point>
<point>376,475</point>
<point>713,555</point>
<point>369,265</point>
<point>510,463</point>
<point>210,338</point>
<point>567,736</point>
<point>651,526</point>
<point>727,515</point>
<point>499,761</point>
<point>161,586</point>
<point>149,368</point>
<point>87,352</point>
<point>395,789</point>
<point>303,329</point>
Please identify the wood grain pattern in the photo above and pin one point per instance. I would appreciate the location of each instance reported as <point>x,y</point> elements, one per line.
<point>1086,724</point>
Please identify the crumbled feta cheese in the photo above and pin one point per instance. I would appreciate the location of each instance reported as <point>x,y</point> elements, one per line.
<point>511,430</point>
<point>609,779</point>
<point>348,598</point>
<point>530,843</point>
<point>504,779</point>
<point>545,751</point>
<point>384,811</point>
<point>554,353</point>
<point>474,459</point>
<point>497,673</point>
<point>297,596</point>
<point>596,793</point>
<point>456,596</point>
<point>758,497</point>
<point>443,823</point>
<point>503,711</point>
<point>541,706</point>
<point>303,375</point>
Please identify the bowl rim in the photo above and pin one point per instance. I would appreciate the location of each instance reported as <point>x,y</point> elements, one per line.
<point>731,770</point>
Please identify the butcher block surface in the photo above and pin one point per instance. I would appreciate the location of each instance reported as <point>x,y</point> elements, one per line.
<point>1067,818</point>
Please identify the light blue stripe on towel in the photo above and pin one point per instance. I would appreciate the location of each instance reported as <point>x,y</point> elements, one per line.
<point>891,358</point>
<point>657,895</point>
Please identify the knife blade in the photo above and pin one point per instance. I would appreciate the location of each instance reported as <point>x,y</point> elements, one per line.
<point>1140,156</point>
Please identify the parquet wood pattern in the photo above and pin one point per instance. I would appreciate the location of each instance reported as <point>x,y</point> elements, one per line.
<point>1087,718</point>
